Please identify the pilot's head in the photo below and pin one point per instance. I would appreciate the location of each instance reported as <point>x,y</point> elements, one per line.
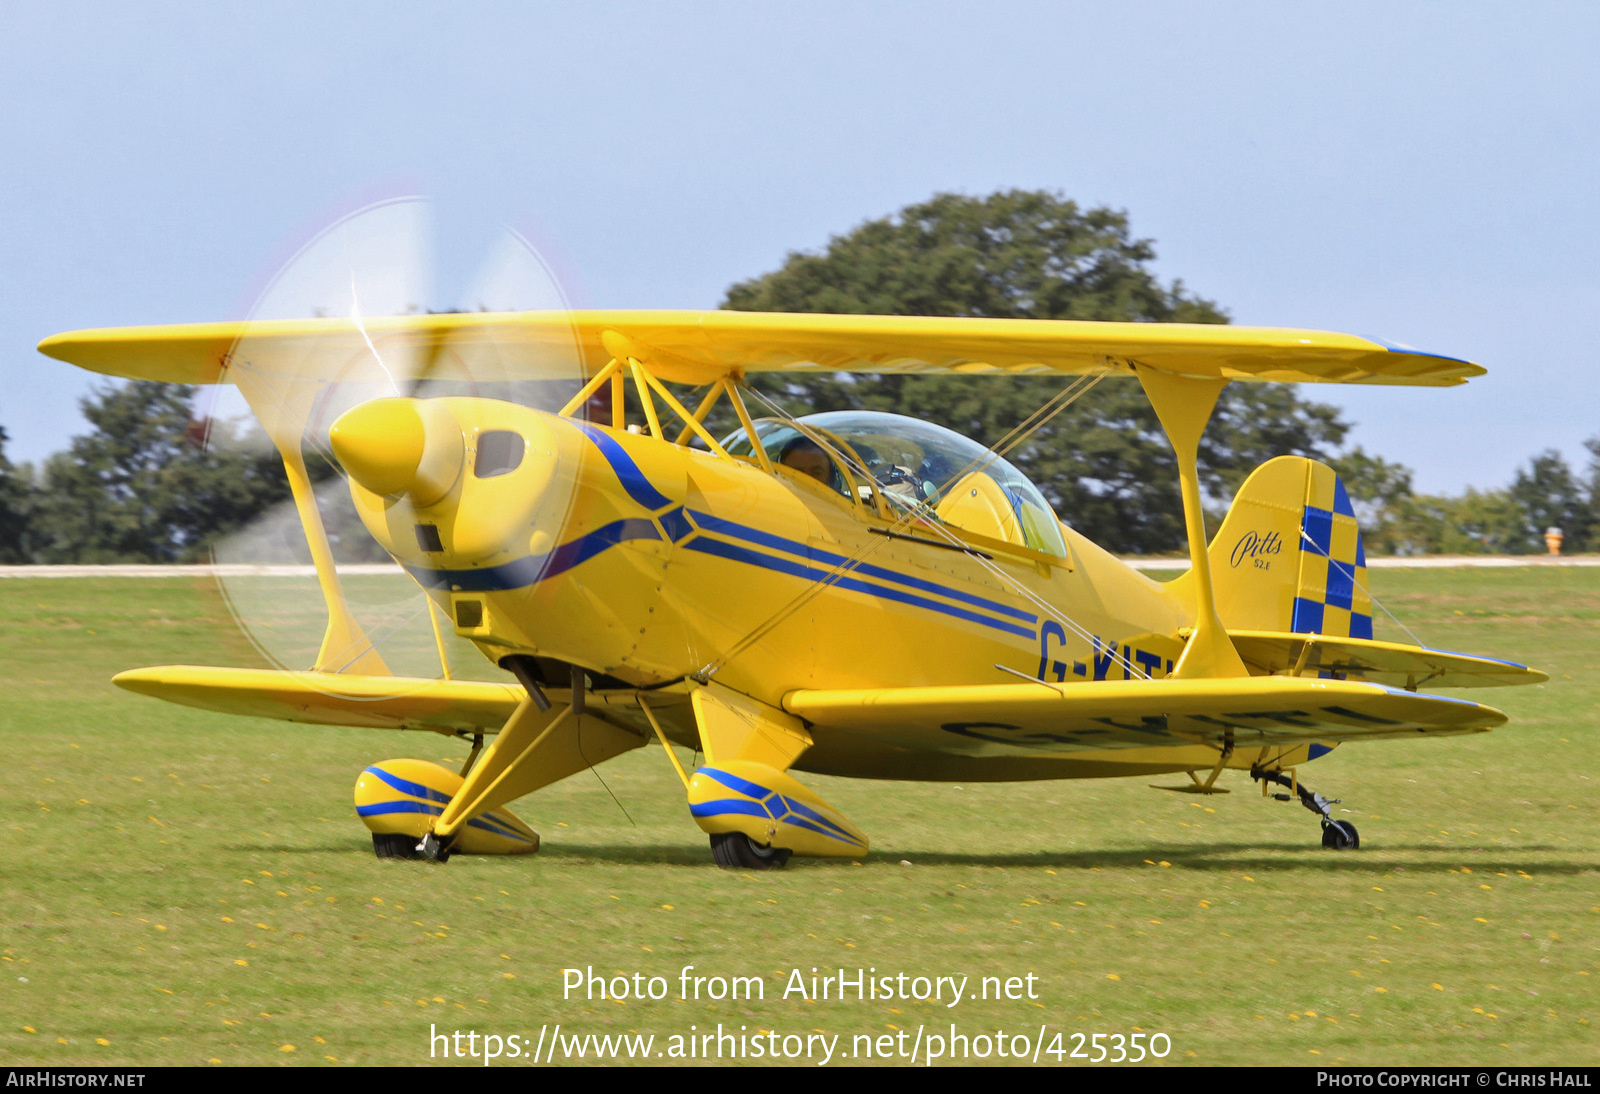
<point>806,456</point>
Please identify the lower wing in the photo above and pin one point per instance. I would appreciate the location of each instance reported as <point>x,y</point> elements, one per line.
<point>339,699</point>
<point>1040,717</point>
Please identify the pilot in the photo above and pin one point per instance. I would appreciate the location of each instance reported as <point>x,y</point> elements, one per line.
<point>806,456</point>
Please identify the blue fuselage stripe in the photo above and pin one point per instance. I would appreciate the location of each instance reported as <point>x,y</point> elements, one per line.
<point>736,553</point>
<point>536,568</point>
<point>814,554</point>
<point>633,480</point>
<point>531,570</point>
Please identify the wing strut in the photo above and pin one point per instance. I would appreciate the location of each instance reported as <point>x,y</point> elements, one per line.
<point>1184,405</point>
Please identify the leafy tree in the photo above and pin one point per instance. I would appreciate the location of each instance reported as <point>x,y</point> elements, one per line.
<point>1479,522</point>
<point>1104,463</point>
<point>16,491</point>
<point>1378,490</point>
<point>143,488</point>
<point>1551,496</point>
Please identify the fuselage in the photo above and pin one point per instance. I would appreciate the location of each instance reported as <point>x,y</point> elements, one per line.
<point>648,562</point>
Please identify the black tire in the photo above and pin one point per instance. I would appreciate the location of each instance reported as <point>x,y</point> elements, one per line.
<point>737,851</point>
<point>1340,836</point>
<point>389,845</point>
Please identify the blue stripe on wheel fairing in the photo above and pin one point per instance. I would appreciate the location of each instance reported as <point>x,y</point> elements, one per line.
<point>406,786</point>
<point>380,809</point>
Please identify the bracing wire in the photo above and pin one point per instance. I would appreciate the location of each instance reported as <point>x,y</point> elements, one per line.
<point>1351,574</point>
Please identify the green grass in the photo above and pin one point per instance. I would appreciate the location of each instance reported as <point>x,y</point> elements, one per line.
<point>182,887</point>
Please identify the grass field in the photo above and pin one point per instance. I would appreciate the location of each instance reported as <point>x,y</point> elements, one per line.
<point>185,888</point>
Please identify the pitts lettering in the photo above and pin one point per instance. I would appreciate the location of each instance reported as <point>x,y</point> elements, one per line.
<point>1254,545</point>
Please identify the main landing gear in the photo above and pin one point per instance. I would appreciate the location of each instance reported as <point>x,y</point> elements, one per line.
<point>400,845</point>
<point>1337,835</point>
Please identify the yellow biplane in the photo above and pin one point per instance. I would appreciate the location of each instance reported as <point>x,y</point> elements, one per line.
<point>849,593</point>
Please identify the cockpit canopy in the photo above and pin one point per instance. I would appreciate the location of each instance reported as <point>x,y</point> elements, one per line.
<point>918,467</point>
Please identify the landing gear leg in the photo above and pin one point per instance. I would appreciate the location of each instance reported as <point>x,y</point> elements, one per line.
<point>1337,835</point>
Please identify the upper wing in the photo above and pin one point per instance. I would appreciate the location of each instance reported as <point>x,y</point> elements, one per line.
<point>339,699</point>
<point>1378,662</point>
<point>699,347</point>
<point>1032,718</point>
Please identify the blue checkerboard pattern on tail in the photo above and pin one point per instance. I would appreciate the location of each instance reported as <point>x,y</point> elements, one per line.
<point>1331,596</point>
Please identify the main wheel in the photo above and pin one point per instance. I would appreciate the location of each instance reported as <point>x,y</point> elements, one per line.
<point>737,851</point>
<point>1340,836</point>
<point>392,845</point>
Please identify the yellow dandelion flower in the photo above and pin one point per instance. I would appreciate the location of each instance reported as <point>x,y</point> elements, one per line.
<point>240,961</point>
<point>1112,976</point>
<point>285,1048</point>
<point>101,1041</point>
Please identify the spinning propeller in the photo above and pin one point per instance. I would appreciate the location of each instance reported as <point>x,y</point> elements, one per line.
<point>344,369</point>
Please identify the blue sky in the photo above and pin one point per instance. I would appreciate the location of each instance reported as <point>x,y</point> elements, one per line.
<point>1424,173</point>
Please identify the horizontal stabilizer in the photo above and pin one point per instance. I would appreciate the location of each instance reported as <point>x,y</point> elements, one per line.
<point>340,699</point>
<point>1377,662</point>
<point>1020,719</point>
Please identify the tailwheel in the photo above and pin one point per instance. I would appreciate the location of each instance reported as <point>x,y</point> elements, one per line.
<point>394,845</point>
<point>1336,835</point>
<point>737,851</point>
<point>1340,836</point>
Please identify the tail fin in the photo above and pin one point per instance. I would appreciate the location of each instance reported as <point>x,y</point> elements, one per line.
<point>1289,554</point>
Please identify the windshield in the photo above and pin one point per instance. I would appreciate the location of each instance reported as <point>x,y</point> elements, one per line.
<point>918,465</point>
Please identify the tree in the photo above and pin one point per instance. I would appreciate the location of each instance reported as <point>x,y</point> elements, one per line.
<point>1104,463</point>
<point>142,488</point>
<point>1479,522</point>
<point>1379,491</point>
<point>16,489</point>
<point>1551,496</point>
